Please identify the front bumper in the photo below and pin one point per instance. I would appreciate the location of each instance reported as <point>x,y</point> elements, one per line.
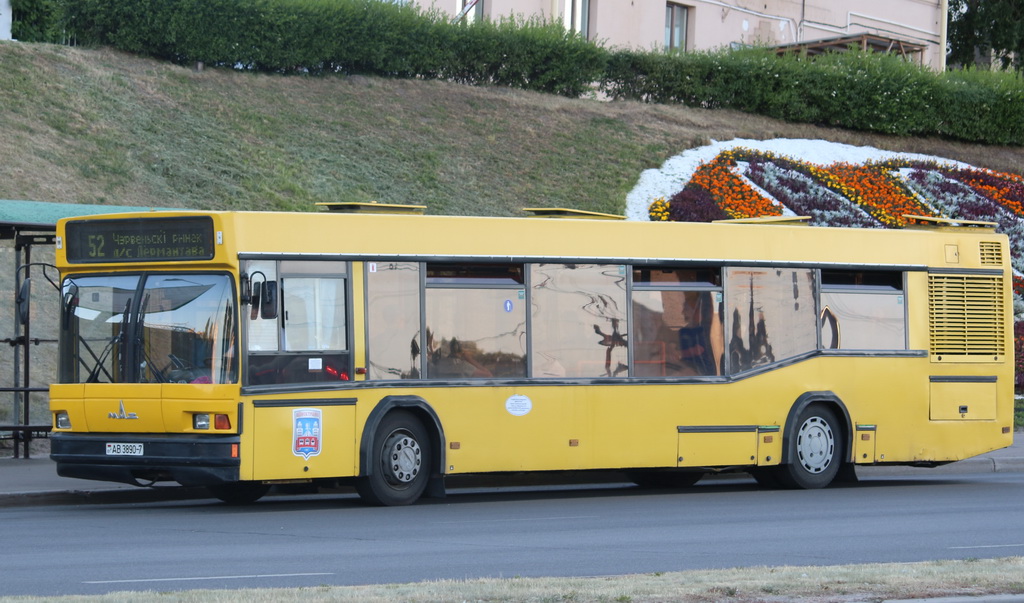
<point>188,460</point>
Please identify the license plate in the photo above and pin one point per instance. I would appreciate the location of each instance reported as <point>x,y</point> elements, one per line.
<point>122,449</point>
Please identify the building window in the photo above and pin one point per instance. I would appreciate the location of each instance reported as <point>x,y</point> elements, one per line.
<point>676,17</point>
<point>579,18</point>
<point>472,10</point>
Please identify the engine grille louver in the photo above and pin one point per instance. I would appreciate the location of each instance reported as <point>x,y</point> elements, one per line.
<point>991,253</point>
<point>967,316</point>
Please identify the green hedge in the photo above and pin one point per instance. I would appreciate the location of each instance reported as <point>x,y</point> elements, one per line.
<point>853,90</point>
<point>342,36</point>
<point>36,20</point>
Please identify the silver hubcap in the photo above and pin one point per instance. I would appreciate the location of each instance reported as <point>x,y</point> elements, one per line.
<point>815,445</point>
<point>402,458</point>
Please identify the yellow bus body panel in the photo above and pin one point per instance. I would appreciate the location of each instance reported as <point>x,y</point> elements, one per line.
<point>901,408</point>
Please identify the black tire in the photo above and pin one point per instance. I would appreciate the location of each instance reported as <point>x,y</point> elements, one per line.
<point>400,458</point>
<point>239,493</point>
<point>665,479</point>
<point>816,450</point>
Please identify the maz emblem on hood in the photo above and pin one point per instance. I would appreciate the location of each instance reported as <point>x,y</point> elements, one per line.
<point>122,414</point>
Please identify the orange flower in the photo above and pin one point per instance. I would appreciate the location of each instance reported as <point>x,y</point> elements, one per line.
<point>735,196</point>
<point>877,191</point>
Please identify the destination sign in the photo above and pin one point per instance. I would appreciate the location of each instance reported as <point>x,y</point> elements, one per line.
<point>140,240</point>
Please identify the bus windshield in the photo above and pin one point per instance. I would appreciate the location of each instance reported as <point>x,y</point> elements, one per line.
<point>148,328</point>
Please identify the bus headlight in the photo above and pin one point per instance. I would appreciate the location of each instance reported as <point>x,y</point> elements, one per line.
<point>200,421</point>
<point>63,421</point>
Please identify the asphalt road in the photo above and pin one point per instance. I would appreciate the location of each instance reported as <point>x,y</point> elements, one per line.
<point>566,531</point>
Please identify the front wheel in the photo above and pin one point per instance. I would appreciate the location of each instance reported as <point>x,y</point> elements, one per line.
<point>399,462</point>
<point>817,450</point>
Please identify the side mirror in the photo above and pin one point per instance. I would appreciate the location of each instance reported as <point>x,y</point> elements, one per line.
<point>268,300</point>
<point>254,300</point>
<point>68,304</point>
<point>24,301</point>
<point>263,300</point>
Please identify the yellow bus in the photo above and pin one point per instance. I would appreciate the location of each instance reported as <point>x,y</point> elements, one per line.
<point>239,350</point>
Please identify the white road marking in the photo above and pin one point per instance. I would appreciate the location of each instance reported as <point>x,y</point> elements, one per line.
<point>989,546</point>
<point>512,519</point>
<point>195,578</point>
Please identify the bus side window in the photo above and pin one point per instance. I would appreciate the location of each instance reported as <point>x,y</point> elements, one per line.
<point>309,342</point>
<point>677,321</point>
<point>578,314</point>
<point>476,321</point>
<point>771,314</point>
<point>862,310</point>
<point>393,320</point>
<point>677,333</point>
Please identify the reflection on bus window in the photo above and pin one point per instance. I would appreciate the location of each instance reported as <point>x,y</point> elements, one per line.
<point>862,310</point>
<point>863,321</point>
<point>772,315</point>
<point>578,320</point>
<point>677,333</point>
<point>476,320</point>
<point>393,320</point>
<point>165,328</point>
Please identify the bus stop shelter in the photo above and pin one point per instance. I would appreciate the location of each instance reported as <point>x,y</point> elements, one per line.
<point>30,286</point>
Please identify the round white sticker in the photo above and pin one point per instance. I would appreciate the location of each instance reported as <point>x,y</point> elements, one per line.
<point>518,405</point>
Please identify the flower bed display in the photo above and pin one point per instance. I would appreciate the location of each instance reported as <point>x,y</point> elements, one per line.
<point>746,183</point>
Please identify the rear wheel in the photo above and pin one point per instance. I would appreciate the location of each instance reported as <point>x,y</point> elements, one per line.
<point>817,450</point>
<point>239,493</point>
<point>399,462</point>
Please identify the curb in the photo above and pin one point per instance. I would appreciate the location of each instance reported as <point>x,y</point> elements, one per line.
<point>101,496</point>
<point>975,465</point>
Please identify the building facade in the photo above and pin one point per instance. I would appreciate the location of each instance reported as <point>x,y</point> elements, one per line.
<point>5,19</point>
<point>916,28</point>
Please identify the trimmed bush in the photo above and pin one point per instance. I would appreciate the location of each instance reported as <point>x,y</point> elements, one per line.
<point>343,36</point>
<point>853,90</point>
<point>36,20</point>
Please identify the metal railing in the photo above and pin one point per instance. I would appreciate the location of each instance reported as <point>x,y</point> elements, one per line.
<point>25,432</point>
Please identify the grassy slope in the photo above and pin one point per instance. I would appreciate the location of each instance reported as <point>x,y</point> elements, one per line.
<point>98,126</point>
<point>103,127</point>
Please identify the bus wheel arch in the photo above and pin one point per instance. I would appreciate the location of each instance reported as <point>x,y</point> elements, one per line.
<point>816,442</point>
<point>406,430</point>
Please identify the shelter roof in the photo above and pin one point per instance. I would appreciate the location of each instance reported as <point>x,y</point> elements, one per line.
<point>42,216</point>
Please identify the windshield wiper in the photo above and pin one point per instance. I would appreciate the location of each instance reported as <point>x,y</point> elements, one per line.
<point>119,338</point>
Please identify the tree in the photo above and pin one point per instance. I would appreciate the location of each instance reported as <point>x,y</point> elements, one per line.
<point>987,28</point>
